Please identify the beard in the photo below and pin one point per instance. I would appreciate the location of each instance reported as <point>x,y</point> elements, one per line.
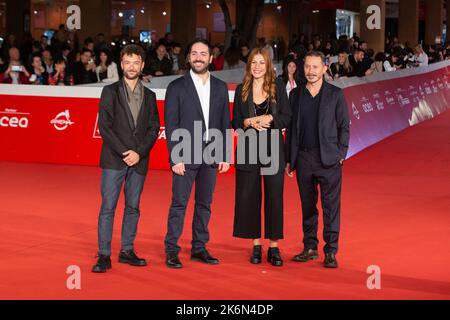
<point>200,69</point>
<point>313,78</point>
<point>127,75</point>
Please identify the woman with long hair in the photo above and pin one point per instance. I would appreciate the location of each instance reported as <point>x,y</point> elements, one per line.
<point>107,69</point>
<point>342,67</point>
<point>261,108</point>
<point>289,76</point>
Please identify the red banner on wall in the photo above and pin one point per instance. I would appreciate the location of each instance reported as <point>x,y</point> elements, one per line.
<point>64,130</point>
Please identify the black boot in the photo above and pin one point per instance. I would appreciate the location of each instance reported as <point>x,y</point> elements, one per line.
<point>103,264</point>
<point>131,258</point>
<point>256,257</point>
<point>274,257</point>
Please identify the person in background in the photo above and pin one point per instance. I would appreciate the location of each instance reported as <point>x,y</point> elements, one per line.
<point>61,35</point>
<point>328,50</point>
<point>107,69</point>
<point>89,44</point>
<point>289,75</point>
<point>360,67</point>
<point>218,60</point>
<point>342,67</point>
<point>262,43</point>
<point>16,73</point>
<point>392,62</point>
<point>38,73</point>
<point>160,65</point>
<point>232,59</point>
<point>84,70</point>
<point>47,59</point>
<point>178,60</point>
<point>421,58</point>
<point>245,51</point>
<point>60,77</point>
<point>43,43</point>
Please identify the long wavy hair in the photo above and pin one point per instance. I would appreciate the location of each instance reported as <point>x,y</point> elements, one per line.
<point>269,85</point>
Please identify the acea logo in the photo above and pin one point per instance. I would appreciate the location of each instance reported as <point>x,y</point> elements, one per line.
<point>11,118</point>
<point>62,121</point>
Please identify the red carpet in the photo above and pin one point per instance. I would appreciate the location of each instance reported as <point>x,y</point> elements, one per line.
<point>396,214</point>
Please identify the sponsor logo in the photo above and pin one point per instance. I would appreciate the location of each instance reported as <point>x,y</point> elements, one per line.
<point>356,112</point>
<point>62,121</point>
<point>162,133</point>
<point>96,134</point>
<point>380,105</point>
<point>367,105</point>
<point>403,101</point>
<point>11,118</point>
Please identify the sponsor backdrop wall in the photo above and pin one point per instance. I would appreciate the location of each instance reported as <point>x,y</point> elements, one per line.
<point>59,124</point>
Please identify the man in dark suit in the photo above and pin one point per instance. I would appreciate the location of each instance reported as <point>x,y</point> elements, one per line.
<point>317,143</point>
<point>129,125</point>
<point>196,108</point>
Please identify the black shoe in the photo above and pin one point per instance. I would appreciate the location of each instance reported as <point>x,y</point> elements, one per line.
<point>273,256</point>
<point>204,256</point>
<point>103,264</point>
<point>172,261</point>
<point>306,255</point>
<point>330,261</point>
<point>256,257</point>
<point>131,258</point>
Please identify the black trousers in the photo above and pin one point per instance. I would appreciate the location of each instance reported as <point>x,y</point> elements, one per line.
<point>204,177</point>
<point>247,212</point>
<point>311,174</point>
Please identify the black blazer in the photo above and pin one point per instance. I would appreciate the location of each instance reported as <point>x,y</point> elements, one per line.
<point>183,108</point>
<point>119,132</point>
<point>281,113</point>
<point>334,132</point>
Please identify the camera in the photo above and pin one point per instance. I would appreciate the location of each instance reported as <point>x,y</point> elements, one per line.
<point>16,68</point>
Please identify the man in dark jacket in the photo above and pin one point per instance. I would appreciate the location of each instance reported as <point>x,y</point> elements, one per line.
<point>129,126</point>
<point>317,143</point>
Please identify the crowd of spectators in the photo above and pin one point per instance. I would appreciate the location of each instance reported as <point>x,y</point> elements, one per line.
<point>63,60</point>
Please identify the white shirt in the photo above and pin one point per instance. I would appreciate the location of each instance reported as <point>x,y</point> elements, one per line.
<point>422,59</point>
<point>388,67</point>
<point>203,92</point>
<point>290,86</point>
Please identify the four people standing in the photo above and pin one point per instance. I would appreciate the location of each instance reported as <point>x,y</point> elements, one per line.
<point>196,109</point>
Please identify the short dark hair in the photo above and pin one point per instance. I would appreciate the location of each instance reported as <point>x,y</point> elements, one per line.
<point>88,40</point>
<point>86,50</point>
<point>132,49</point>
<point>203,41</point>
<point>316,54</point>
<point>59,59</point>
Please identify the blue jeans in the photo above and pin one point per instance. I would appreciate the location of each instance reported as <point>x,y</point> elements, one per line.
<point>111,185</point>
